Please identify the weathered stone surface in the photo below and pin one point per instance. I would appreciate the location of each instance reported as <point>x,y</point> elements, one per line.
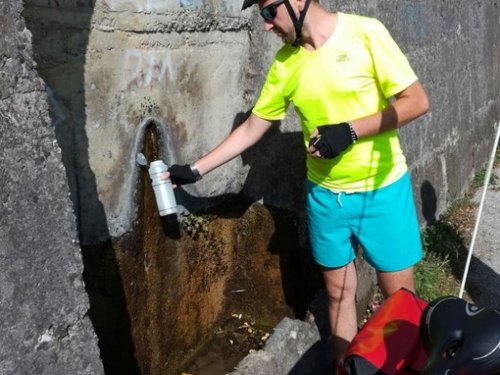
<point>196,67</point>
<point>44,327</point>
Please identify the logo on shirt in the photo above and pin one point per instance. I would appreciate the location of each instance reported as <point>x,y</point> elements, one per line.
<point>343,57</point>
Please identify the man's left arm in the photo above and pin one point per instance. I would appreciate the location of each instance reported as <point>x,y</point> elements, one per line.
<point>409,104</point>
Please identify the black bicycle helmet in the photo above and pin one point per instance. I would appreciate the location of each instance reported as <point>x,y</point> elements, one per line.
<point>297,22</point>
<point>248,3</point>
<point>460,338</point>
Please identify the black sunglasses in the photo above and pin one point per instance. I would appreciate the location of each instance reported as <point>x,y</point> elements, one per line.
<point>269,12</point>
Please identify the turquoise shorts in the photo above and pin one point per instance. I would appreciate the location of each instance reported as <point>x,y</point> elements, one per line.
<point>383,222</point>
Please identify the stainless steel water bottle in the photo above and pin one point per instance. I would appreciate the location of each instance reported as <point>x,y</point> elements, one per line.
<point>164,192</point>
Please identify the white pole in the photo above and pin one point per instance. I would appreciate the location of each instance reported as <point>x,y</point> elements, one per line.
<point>481,204</point>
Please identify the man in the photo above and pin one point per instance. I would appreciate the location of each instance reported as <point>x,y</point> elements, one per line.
<point>352,87</point>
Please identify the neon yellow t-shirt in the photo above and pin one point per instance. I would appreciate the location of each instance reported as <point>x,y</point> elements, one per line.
<point>352,75</point>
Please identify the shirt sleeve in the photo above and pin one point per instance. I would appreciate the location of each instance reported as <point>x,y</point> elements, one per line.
<point>271,105</point>
<point>391,66</point>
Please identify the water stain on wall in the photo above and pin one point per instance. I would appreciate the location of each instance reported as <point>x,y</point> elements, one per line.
<point>160,294</point>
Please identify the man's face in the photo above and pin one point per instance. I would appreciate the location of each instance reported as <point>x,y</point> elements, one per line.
<point>277,19</point>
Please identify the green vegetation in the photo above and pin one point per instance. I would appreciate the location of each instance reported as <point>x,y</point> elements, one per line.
<point>195,225</point>
<point>479,178</point>
<point>446,243</point>
<point>438,274</point>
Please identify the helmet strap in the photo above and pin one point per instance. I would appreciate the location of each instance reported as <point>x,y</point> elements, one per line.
<point>297,23</point>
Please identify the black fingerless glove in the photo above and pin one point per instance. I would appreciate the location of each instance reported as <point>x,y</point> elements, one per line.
<point>333,139</point>
<point>183,174</point>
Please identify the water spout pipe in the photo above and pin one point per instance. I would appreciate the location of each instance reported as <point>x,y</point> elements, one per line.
<point>164,141</point>
<point>165,153</point>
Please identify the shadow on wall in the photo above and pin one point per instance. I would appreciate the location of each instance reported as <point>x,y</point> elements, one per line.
<point>429,202</point>
<point>277,179</point>
<point>63,74</point>
<point>276,176</point>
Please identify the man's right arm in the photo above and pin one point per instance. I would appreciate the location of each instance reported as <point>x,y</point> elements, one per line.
<point>243,137</point>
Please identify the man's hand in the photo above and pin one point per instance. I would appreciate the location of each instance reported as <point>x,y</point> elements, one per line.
<point>328,141</point>
<point>180,175</point>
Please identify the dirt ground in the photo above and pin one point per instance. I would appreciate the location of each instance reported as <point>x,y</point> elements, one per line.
<point>234,340</point>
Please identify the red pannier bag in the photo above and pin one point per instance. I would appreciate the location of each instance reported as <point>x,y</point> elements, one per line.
<point>389,342</point>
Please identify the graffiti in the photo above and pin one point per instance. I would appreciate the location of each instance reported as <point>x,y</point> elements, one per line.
<point>145,68</point>
<point>413,22</point>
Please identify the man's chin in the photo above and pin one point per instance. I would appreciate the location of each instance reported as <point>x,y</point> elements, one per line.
<point>285,40</point>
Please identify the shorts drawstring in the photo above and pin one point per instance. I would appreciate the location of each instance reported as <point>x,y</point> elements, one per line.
<point>339,198</point>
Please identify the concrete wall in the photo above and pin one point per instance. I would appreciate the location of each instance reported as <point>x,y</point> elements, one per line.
<point>197,66</point>
<point>44,327</point>
<point>111,66</point>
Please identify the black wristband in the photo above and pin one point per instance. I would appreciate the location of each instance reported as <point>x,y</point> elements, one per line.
<point>354,136</point>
